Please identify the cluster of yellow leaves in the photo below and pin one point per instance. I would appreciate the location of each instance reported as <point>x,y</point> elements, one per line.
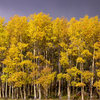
<point>80,60</point>
<point>98,73</point>
<point>18,79</point>
<point>97,84</point>
<point>2,49</point>
<point>46,77</point>
<point>73,72</point>
<point>59,76</point>
<point>87,76</point>
<point>70,73</point>
<point>21,46</point>
<point>67,77</point>
<point>73,83</point>
<point>64,59</point>
<point>86,53</point>
<point>80,84</point>
<point>4,78</point>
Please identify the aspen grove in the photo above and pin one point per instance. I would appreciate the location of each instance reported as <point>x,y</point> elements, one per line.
<point>41,57</point>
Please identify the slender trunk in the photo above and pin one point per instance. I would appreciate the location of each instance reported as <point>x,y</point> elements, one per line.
<point>46,58</point>
<point>46,94</point>
<point>34,92</point>
<point>6,90</point>
<point>3,90</point>
<point>24,92</point>
<point>17,92</point>
<point>59,90</point>
<point>82,88</point>
<point>56,89</point>
<point>91,85</point>
<point>0,92</point>
<point>28,90</point>
<point>76,89</point>
<point>12,92</point>
<point>82,92</point>
<point>21,93</point>
<point>9,91</point>
<point>31,90</point>
<point>68,90</point>
<point>39,92</point>
<point>34,83</point>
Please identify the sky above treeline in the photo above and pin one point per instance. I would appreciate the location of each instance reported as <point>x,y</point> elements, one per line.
<point>56,8</point>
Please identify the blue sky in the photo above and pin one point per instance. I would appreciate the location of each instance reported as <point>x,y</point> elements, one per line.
<point>56,8</point>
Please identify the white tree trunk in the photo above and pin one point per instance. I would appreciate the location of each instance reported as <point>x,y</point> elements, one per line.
<point>68,90</point>
<point>34,91</point>
<point>24,93</point>
<point>6,90</point>
<point>39,92</point>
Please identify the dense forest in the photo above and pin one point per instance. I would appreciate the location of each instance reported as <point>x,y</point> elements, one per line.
<point>41,57</point>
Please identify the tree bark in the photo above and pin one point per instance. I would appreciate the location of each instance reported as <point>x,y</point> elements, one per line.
<point>91,85</point>
<point>31,89</point>
<point>21,95</point>
<point>39,92</point>
<point>34,92</point>
<point>17,93</point>
<point>0,92</point>
<point>59,88</point>
<point>28,90</point>
<point>68,90</point>
<point>46,57</point>
<point>3,90</point>
<point>46,92</point>
<point>24,92</point>
<point>82,88</point>
<point>6,90</point>
<point>12,92</point>
<point>82,92</point>
<point>9,91</point>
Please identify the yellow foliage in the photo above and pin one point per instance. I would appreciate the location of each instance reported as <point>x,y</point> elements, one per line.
<point>26,62</point>
<point>73,72</point>
<point>80,84</point>
<point>67,77</point>
<point>86,53</point>
<point>97,84</point>
<point>18,79</point>
<point>46,71</point>
<point>97,45</point>
<point>2,49</point>
<point>46,77</point>
<point>73,83</point>
<point>98,64</point>
<point>64,59</point>
<point>87,75</point>
<point>80,60</point>
<point>24,42</point>
<point>34,73</point>
<point>59,76</point>
<point>98,73</point>
<point>4,78</point>
<point>21,45</point>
